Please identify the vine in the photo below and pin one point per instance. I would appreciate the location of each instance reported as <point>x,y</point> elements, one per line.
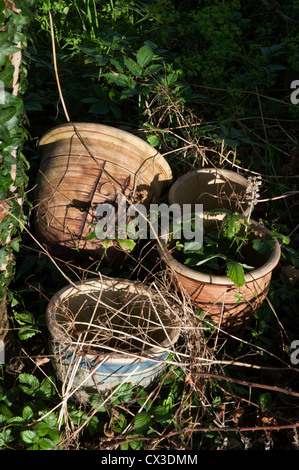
<point>14,18</point>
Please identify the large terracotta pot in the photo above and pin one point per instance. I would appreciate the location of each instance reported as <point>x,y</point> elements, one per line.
<point>214,188</point>
<point>228,306</point>
<point>83,165</point>
<point>105,332</point>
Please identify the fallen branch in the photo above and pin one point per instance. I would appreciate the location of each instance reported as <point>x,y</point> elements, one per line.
<point>246,383</point>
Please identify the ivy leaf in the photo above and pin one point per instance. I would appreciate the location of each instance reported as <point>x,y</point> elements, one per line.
<point>235,272</point>
<point>8,49</point>
<point>6,115</point>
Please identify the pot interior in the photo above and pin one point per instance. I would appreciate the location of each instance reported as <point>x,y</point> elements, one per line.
<point>121,320</point>
<point>212,189</point>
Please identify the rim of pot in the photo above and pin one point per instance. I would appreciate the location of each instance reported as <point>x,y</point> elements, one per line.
<point>47,138</point>
<point>98,285</point>
<point>257,273</point>
<point>190,174</point>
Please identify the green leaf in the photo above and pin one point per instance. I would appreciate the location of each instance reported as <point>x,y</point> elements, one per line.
<point>262,245</point>
<point>208,258</point>
<point>47,389</point>
<point>6,115</point>
<point>78,417</point>
<point>4,134</point>
<point>120,79</point>
<point>153,69</point>
<point>90,236</point>
<point>153,140</point>
<point>8,49</point>
<point>26,332</point>
<point>93,425</point>
<point>27,413</point>
<point>232,224</point>
<point>162,415</point>
<point>99,107</point>
<point>6,437</point>
<point>119,424</point>
<point>3,38</point>
<point>29,384</point>
<point>124,446</point>
<point>53,432</point>
<point>46,444</point>
<point>144,56</point>
<point>142,421</point>
<point>123,394</point>
<point>284,238</point>
<point>134,68</point>
<point>6,412</point>
<point>143,399</point>
<point>15,245</point>
<point>41,429</point>
<point>235,272</point>
<point>135,445</point>
<point>29,437</point>
<point>96,402</point>
<point>126,244</point>
<point>265,400</point>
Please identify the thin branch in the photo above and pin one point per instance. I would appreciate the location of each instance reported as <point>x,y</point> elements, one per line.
<point>246,383</point>
<point>56,70</point>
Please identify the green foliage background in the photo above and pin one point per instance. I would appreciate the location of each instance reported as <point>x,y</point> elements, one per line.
<point>13,136</point>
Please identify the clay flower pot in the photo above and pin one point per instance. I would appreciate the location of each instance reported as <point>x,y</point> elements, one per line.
<point>105,332</point>
<point>230,307</point>
<point>83,165</point>
<point>213,188</point>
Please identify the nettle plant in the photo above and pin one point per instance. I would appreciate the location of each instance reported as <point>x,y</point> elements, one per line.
<point>231,245</point>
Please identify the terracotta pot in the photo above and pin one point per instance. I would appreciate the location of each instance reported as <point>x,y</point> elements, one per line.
<point>84,166</point>
<point>124,330</point>
<point>228,306</point>
<point>214,188</point>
